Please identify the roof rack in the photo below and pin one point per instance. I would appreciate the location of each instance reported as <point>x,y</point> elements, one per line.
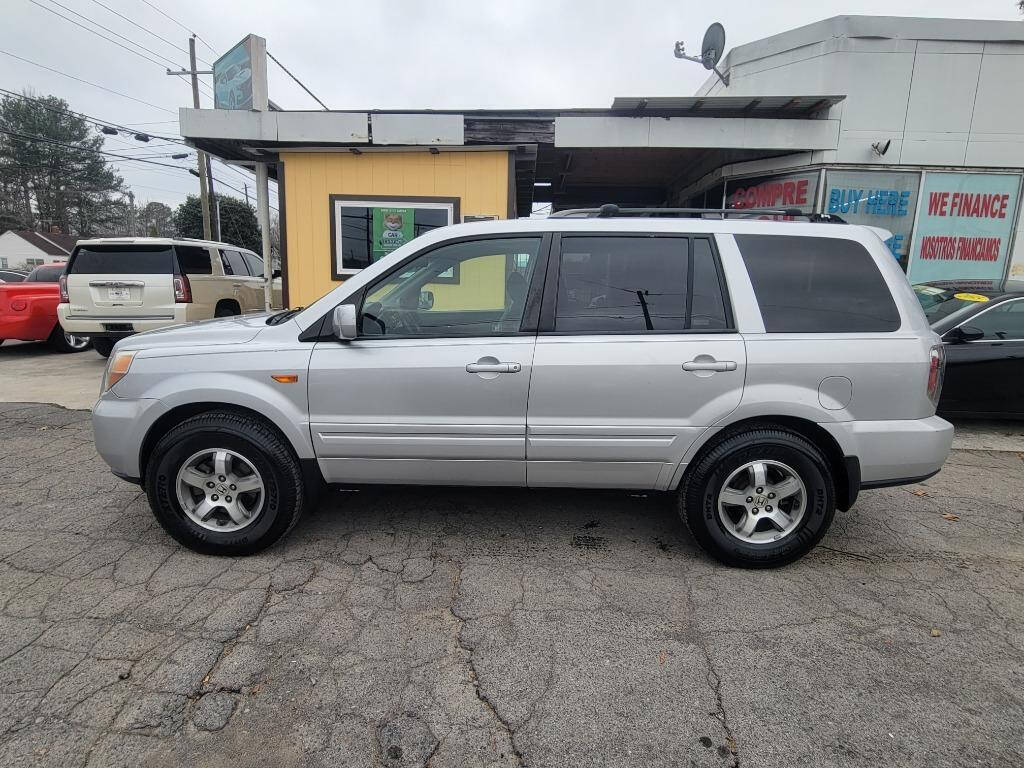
<point>610,210</point>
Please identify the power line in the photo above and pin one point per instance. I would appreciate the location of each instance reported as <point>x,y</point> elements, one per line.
<point>97,120</point>
<point>197,37</point>
<point>101,35</point>
<point>29,137</point>
<point>94,85</point>
<point>293,77</point>
<point>145,29</point>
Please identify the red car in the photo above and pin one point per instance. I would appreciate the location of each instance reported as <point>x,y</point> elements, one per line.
<point>28,310</point>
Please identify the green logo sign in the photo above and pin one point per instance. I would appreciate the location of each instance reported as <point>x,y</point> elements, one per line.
<point>392,228</point>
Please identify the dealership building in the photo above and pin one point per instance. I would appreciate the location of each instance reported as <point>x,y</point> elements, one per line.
<point>911,124</point>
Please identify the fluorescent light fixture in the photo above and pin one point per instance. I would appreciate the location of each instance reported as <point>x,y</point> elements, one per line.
<point>542,183</point>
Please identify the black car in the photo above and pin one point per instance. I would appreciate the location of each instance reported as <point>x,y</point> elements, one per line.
<point>982,330</point>
<point>11,276</point>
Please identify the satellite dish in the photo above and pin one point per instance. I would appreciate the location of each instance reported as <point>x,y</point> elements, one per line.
<point>713,47</point>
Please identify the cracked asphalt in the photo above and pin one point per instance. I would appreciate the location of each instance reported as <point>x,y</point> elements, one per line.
<point>496,627</point>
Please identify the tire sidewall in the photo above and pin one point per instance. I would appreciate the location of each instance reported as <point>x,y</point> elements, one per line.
<point>816,520</point>
<point>103,346</point>
<point>166,461</point>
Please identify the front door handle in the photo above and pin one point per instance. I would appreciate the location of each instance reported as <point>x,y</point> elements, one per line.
<point>710,365</point>
<point>493,368</point>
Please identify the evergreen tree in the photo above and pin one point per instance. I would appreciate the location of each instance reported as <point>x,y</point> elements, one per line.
<point>238,224</point>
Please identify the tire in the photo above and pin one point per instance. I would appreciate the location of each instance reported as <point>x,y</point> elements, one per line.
<point>103,346</point>
<point>226,309</point>
<point>726,473</point>
<point>64,342</point>
<point>251,444</point>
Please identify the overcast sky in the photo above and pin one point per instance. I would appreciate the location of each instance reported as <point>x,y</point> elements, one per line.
<point>436,54</point>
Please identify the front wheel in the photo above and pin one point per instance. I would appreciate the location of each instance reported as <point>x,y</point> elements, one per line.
<point>225,483</point>
<point>103,346</point>
<point>759,499</point>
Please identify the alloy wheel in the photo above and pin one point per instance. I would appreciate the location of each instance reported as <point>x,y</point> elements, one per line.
<point>762,502</point>
<point>220,490</point>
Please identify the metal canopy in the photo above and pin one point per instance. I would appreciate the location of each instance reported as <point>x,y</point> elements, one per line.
<point>793,107</point>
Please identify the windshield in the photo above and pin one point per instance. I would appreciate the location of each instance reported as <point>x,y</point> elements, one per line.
<point>45,274</point>
<point>122,260</point>
<point>940,303</point>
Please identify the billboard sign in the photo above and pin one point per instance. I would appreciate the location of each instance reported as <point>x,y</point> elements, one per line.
<point>964,227</point>
<point>876,199</point>
<point>240,76</point>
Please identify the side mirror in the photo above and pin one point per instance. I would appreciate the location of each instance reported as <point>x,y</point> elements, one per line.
<point>344,321</point>
<point>965,333</point>
<point>275,274</point>
<point>426,299</point>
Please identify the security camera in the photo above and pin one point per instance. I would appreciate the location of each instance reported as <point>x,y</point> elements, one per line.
<point>879,148</point>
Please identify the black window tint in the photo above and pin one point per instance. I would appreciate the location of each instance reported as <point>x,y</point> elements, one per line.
<point>45,274</point>
<point>622,284</point>
<point>194,260</point>
<point>122,260</point>
<point>817,285</point>
<point>707,304</point>
<point>254,263</point>
<point>1001,323</point>
<point>233,263</point>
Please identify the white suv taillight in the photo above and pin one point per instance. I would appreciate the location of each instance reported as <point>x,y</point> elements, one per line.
<point>64,289</point>
<point>182,290</point>
<point>936,372</point>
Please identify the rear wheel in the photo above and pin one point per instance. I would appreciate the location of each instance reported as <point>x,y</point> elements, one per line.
<point>62,341</point>
<point>760,498</point>
<point>225,483</point>
<point>103,346</point>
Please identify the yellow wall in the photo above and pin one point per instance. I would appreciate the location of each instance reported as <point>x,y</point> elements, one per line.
<point>479,179</point>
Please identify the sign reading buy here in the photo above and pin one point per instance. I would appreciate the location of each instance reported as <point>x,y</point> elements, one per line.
<point>965,226</point>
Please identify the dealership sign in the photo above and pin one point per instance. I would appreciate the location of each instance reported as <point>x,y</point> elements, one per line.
<point>796,190</point>
<point>240,76</point>
<point>876,199</point>
<point>965,226</point>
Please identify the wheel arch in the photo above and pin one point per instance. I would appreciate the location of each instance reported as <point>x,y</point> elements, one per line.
<point>227,302</point>
<point>845,469</point>
<point>168,420</point>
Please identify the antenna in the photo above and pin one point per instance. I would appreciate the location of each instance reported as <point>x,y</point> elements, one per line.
<point>711,51</point>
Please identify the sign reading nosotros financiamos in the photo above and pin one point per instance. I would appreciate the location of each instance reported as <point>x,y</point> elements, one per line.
<point>796,190</point>
<point>965,226</point>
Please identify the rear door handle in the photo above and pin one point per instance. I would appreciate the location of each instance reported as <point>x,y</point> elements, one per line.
<point>493,368</point>
<point>717,365</point>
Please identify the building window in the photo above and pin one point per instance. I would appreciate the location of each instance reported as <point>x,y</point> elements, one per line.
<point>366,229</point>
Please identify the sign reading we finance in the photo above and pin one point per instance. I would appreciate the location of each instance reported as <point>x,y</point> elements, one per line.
<point>965,226</point>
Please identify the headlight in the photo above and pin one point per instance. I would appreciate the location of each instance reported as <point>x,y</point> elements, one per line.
<point>117,369</point>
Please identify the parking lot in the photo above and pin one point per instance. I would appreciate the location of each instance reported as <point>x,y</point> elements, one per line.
<point>452,627</point>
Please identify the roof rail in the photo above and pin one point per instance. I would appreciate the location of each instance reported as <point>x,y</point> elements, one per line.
<point>610,210</point>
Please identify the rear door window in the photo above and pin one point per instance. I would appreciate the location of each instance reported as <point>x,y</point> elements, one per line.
<point>194,260</point>
<point>254,263</point>
<point>817,285</point>
<point>234,264</point>
<point>122,260</point>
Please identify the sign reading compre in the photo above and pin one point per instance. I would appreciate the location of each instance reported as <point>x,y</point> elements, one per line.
<point>965,226</point>
<point>795,190</point>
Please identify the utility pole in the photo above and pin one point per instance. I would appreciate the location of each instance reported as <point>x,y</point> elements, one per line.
<point>246,188</point>
<point>204,165</point>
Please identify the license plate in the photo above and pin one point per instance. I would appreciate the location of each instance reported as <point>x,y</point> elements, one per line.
<point>119,294</point>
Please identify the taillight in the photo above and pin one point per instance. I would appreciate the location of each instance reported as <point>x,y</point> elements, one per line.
<point>182,290</point>
<point>64,297</point>
<point>936,372</point>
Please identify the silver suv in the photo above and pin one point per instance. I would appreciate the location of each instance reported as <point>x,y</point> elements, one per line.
<point>762,371</point>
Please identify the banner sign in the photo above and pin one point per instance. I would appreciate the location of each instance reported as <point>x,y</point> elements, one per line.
<point>795,190</point>
<point>965,226</point>
<point>392,227</point>
<point>876,199</point>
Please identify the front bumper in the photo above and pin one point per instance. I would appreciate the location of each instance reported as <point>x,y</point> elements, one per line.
<point>119,427</point>
<point>895,452</point>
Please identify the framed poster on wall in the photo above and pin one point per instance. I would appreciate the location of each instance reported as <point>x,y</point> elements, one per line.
<point>964,226</point>
<point>366,228</point>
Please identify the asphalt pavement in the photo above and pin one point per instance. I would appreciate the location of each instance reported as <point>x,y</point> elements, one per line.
<point>502,627</point>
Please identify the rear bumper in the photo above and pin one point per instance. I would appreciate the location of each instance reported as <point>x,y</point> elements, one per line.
<point>116,326</point>
<point>896,452</point>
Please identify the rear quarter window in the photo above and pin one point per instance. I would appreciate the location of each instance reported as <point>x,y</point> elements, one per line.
<point>817,285</point>
<point>194,260</point>
<point>122,260</point>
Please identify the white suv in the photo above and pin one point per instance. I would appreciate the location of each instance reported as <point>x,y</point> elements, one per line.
<point>114,287</point>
